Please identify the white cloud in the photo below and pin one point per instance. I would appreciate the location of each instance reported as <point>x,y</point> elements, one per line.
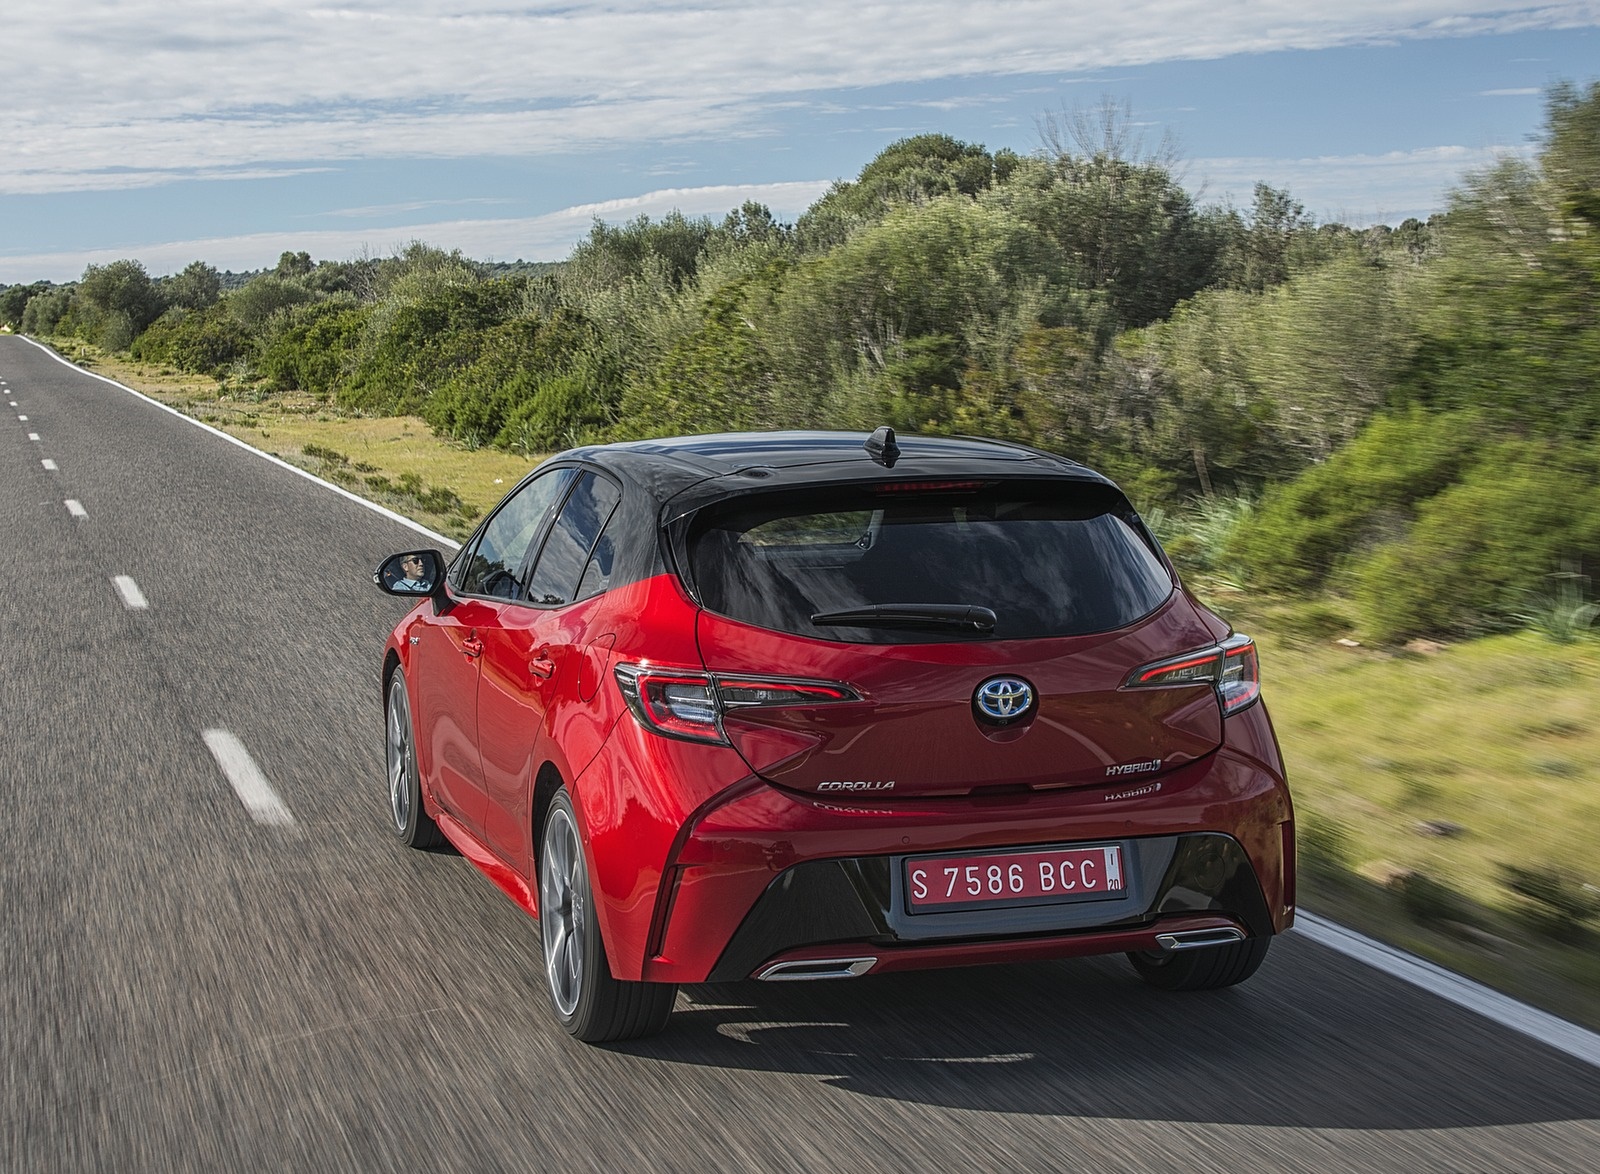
<point>131,92</point>
<point>1353,189</point>
<point>534,238</point>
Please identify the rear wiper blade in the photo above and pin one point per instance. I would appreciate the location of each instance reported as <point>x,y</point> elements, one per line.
<point>967,616</point>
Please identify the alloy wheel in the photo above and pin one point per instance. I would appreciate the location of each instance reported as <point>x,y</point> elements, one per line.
<point>399,755</point>
<point>561,913</point>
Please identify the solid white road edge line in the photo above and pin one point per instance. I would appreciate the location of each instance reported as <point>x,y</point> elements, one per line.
<point>1396,963</point>
<point>132,598</point>
<point>266,456</point>
<point>246,779</point>
<point>75,508</point>
<point>1578,1042</point>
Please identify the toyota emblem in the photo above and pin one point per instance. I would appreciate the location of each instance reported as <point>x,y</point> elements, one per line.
<point>1003,699</point>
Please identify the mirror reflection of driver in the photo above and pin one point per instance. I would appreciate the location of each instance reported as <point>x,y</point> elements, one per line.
<point>414,577</point>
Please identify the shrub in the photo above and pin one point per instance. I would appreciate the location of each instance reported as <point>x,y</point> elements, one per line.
<point>1562,612</point>
<point>1478,549</point>
<point>205,342</point>
<point>314,346</point>
<point>1303,529</point>
<point>412,345</point>
<point>265,296</point>
<point>44,312</point>
<point>1554,903</point>
<point>1428,901</point>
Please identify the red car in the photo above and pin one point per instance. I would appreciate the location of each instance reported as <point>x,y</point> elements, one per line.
<point>793,706</point>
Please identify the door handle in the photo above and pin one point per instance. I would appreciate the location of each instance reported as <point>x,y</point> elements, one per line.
<point>472,646</point>
<point>540,664</point>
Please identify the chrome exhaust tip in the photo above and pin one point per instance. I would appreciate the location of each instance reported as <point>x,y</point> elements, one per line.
<point>1198,939</point>
<point>811,969</point>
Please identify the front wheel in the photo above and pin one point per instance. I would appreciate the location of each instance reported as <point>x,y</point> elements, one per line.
<point>591,1004</point>
<point>1205,969</point>
<point>407,819</point>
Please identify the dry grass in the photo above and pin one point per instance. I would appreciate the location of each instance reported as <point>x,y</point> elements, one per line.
<point>1499,736</point>
<point>387,447</point>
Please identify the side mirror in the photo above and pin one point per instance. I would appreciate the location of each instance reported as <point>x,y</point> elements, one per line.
<point>414,573</point>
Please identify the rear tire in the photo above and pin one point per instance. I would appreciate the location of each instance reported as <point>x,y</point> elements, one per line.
<point>407,818</point>
<point>1205,969</point>
<point>592,1005</point>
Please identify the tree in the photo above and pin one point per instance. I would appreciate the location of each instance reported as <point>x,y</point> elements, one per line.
<point>115,302</point>
<point>294,264</point>
<point>912,170</point>
<point>1262,255</point>
<point>14,302</point>
<point>198,286</point>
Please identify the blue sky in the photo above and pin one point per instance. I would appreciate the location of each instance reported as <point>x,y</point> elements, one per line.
<point>230,130</point>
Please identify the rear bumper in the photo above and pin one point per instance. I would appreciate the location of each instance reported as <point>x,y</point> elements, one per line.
<point>772,876</point>
<point>817,909</point>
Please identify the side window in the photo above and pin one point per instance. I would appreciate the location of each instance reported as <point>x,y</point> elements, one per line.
<point>496,561</point>
<point>597,575</point>
<point>572,539</point>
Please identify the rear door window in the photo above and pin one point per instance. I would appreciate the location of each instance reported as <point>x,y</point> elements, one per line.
<point>571,547</point>
<point>1048,558</point>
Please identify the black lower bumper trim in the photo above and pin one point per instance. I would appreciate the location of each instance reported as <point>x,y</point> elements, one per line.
<point>853,900</point>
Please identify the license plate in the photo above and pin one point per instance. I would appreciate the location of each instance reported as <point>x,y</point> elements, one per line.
<point>1032,877</point>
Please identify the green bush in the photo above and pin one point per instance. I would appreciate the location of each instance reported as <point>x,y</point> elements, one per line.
<point>532,387</point>
<point>414,342</point>
<point>314,347</point>
<point>1363,494</point>
<point>1479,548</point>
<point>43,313</point>
<point>1554,903</point>
<point>1428,901</point>
<point>204,342</point>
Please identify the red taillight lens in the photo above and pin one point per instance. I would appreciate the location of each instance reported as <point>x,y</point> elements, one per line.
<point>691,705</point>
<point>1231,668</point>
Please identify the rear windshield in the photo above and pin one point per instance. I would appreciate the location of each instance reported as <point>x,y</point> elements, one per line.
<point>1049,559</point>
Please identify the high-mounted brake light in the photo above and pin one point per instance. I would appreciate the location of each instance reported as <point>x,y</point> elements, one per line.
<point>691,705</point>
<point>1231,668</point>
<point>928,486</point>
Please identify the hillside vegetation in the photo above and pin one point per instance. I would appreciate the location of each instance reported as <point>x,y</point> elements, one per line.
<point>1402,418</point>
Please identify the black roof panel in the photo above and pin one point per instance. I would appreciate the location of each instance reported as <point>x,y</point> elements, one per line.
<point>669,466</point>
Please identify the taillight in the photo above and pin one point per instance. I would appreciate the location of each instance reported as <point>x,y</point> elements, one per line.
<point>691,705</point>
<point>1231,668</point>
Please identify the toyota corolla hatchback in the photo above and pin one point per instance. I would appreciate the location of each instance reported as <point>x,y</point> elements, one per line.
<point>809,705</point>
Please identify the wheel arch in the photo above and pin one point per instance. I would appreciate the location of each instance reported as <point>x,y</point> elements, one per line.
<point>546,783</point>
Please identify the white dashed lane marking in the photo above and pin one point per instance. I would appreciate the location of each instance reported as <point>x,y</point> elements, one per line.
<point>132,598</point>
<point>24,419</point>
<point>246,779</point>
<point>33,436</point>
<point>49,464</point>
<point>75,508</point>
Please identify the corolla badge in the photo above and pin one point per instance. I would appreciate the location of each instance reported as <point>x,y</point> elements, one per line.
<point>1003,699</point>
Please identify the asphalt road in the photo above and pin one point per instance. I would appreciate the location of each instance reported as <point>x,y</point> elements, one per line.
<point>182,987</point>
